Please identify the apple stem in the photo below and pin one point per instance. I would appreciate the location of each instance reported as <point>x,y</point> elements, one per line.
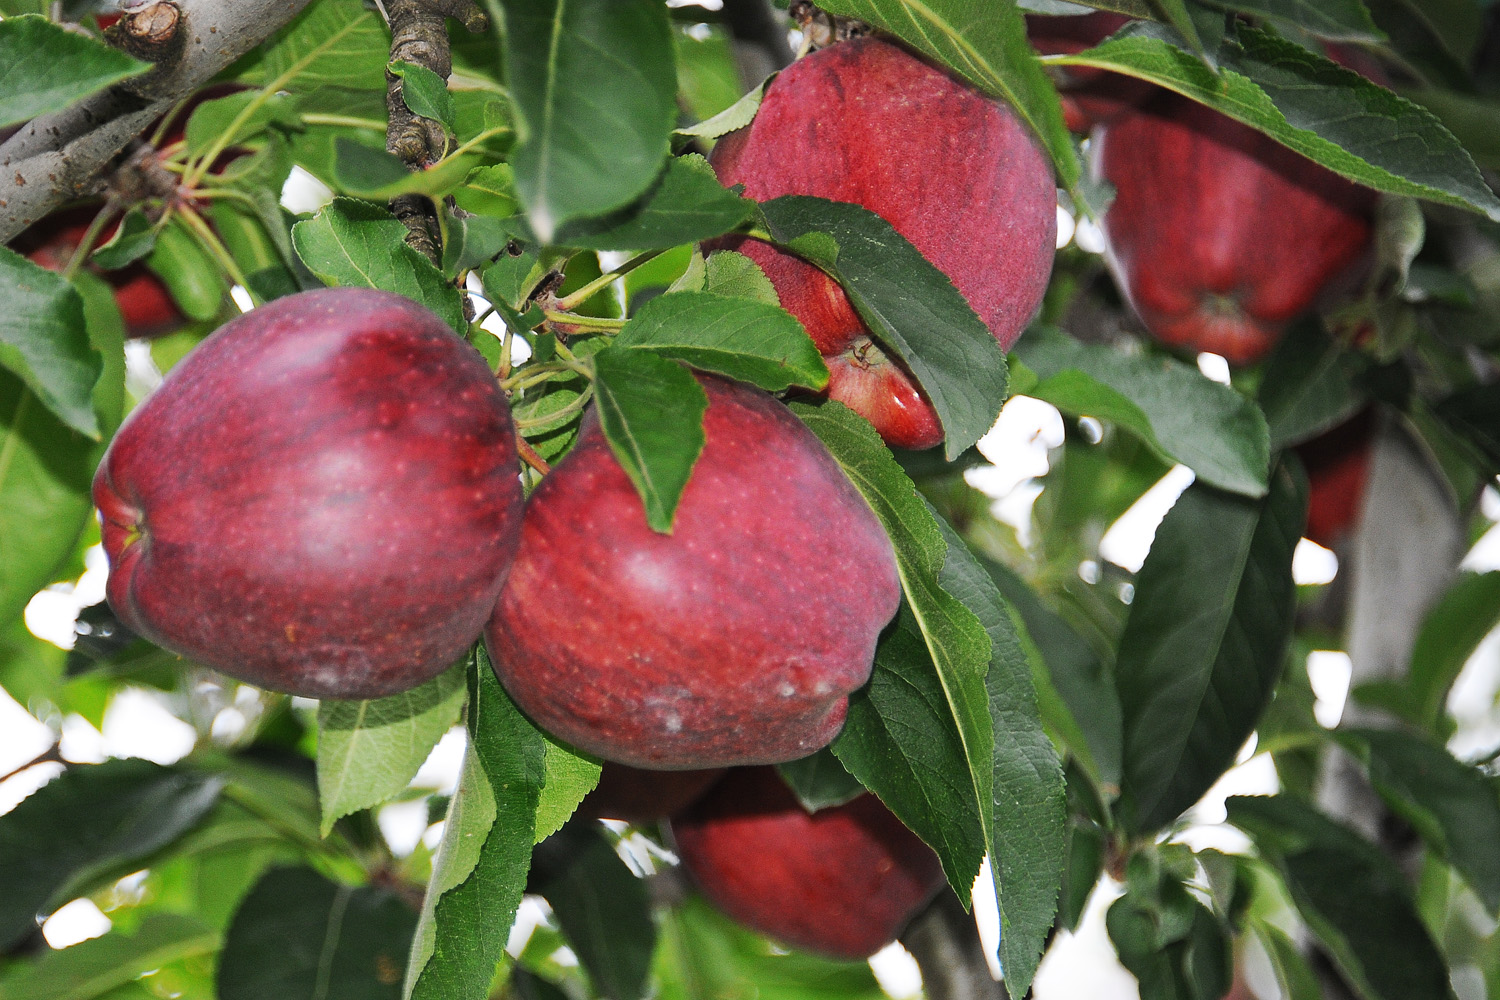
<point>530,457</point>
<point>575,299</point>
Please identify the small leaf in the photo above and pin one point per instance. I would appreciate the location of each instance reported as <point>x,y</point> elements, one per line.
<point>651,411</point>
<point>1310,384</point>
<point>189,272</point>
<point>116,812</point>
<point>480,871</point>
<point>736,116</point>
<point>43,340</point>
<point>133,240</point>
<point>46,68</point>
<point>569,777</point>
<point>1351,895</point>
<point>489,191</point>
<point>820,781</point>
<point>424,92</point>
<point>356,244</point>
<point>1176,410</point>
<point>685,205</point>
<point>369,750</point>
<point>1205,642</point>
<point>299,935</point>
<point>367,172</point>
<point>738,338</point>
<point>908,303</point>
<point>737,276</point>
<point>96,967</point>
<point>595,93</point>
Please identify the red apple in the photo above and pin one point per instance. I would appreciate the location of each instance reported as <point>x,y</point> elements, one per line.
<point>1218,235</point>
<point>843,881</point>
<point>322,498</point>
<point>955,172</point>
<point>735,639</point>
<point>1338,466</point>
<point>642,797</point>
<point>1089,96</point>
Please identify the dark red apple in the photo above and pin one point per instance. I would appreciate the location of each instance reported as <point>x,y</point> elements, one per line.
<point>322,498</point>
<point>641,797</point>
<point>955,172</point>
<point>1338,466</point>
<point>737,638</point>
<point>1089,96</point>
<point>1218,235</point>
<point>843,881</point>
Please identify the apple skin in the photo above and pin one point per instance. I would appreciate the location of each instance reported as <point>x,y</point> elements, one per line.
<point>322,498</point>
<point>843,881</point>
<point>737,638</point>
<point>643,797</point>
<point>1338,466</point>
<point>956,173</point>
<point>1089,96</point>
<point>1218,235</point>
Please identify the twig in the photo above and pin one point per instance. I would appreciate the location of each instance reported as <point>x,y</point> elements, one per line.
<point>530,457</point>
<point>945,942</point>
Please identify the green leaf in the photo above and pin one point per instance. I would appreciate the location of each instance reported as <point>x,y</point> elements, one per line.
<point>820,781</point>
<point>370,172</point>
<point>595,93</point>
<point>569,777</point>
<point>118,811</point>
<point>985,43</point>
<point>489,191</point>
<point>1451,804</point>
<point>1295,976</point>
<point>738,338</point>
<point>480,871</point>
<point>1312,105</point>
<point>919,734</point>
<point>369,750</point>
<point>736,116</point>
<point>190,274</point>
<point>43,340</point>
<point>96,967</point>
<point>424,92</point>
<point>908,303</point>
<point>1336,20</point>
<point>133,239</point>
<point>737,276</point>
<point>46,68</point>
<point>299,935</point>
<point>604,910</point>
<point>356,244</point>
<point>1351,895</point>
<point>685,204</point>
<point>1205,642</point>
<point>333,43</point>
<point>215,118</point>
<point>1171,942</point>
<point>1310,384</point>
<point>1173,408</point>
<point>651,411</point>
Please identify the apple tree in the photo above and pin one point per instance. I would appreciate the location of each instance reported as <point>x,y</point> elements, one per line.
<point>746,283</point>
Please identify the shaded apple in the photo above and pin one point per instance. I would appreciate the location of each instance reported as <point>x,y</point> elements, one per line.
<point>955,172</point>
<point>843,881</point>
<point>1089,96</point>
<point>322,498</point>
<point>1219,236</point>
<point>642,797</point>
<point>735,639</point>
<point>1338,466</point>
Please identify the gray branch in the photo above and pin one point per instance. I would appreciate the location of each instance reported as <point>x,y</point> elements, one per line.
<point>945,942</point>
<point>59,157</point>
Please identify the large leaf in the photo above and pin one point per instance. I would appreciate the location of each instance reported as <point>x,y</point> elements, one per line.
<point>43,339</point>
<point>601,906</point>
<point>1205,642</point>
<point>651,411</point>
<point>480,871</point>
<point>356,244</point>
<point>739,338</point>
<point>1175,409</point>
<point>1452,805</point>
<point>93,968</point>
<point>985,43</point>
<point>333,43</point>
<point>369,750</point>
<point>686,204</point>
<point>594,87</point>
<point>299,935</point>
<point>1351,895</point>
<point>1310,384</point>
<point>46,68</point>
<point>1312,105</point>
<point>909,304</point>
<point>89,819</point>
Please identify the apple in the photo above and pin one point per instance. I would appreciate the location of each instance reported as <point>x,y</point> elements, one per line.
<point>322,498</point>
<point>1219,236</point>
<point>1089,96</point>
<point>843,881</point>
<point>955,172</point>
<point>1338,466</point>
<point>643,797</point>
<point>737,638</point>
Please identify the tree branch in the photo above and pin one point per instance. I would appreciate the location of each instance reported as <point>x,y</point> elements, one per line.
<point>945,942</point>
<point>59,157</point>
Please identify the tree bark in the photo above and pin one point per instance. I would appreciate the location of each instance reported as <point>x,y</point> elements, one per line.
<point>945,942</point>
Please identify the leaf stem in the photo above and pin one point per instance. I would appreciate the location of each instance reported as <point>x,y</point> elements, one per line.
<point>593,324</point>
<point>575,299</point>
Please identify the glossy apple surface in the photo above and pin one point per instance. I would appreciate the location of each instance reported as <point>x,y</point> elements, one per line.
<point>322,498</point>
<point>956,173</point>
<point>737,638</point>
<point>642,797</point>
<point>1218,235</point>
<point>843,881</point>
